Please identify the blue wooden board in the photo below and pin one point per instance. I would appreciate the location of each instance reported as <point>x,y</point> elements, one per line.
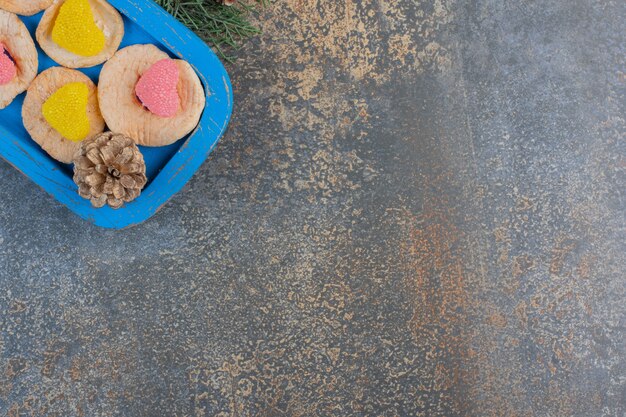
<point>168,168</point>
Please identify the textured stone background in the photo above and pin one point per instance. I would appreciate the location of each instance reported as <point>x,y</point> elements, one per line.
<point>418,210</point>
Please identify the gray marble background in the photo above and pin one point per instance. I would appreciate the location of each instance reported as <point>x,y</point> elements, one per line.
<point>418,210</point>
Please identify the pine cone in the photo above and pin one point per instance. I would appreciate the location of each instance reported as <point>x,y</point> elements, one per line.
<point>109,169</point>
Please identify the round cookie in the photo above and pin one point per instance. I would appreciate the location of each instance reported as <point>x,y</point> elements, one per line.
<point>24,7</point>
<point>106,19</point>
<point>22,51</point>
<point>44,86</point>
<point>124,112</point>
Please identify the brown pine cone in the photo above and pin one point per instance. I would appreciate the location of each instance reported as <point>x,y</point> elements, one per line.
<point>109,169</point>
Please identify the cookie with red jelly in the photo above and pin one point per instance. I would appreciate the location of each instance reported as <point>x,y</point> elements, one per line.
<point>18,58</point>
<point>146,95</point>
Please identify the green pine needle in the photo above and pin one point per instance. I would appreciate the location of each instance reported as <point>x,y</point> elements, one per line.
<point>225,27</point>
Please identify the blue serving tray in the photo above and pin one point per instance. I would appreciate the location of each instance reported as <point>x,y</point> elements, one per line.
<point>168,168</point>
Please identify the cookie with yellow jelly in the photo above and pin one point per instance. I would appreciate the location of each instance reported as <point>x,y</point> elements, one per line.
<point>24,7</point>
<point>18,58</point>
<point>140,98</point>
<point>61,110</point>
<point>80,33</point>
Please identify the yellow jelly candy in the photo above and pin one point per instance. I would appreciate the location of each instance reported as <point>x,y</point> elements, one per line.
<point>75,29</point>
<point>66,111</point>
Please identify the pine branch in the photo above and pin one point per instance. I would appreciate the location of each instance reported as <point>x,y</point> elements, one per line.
<point>225,27</point>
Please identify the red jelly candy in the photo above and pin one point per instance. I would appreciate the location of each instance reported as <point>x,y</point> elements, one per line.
<point>157,88</point>
<point>8,70</point>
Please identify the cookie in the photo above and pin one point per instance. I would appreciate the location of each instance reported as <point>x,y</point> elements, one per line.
<point>121,81</point>
<point>19,61</point>
<point>60,110</point>
<point>80,33</point>
<point>24,7</point>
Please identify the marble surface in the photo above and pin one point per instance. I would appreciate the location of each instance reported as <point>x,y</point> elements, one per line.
<point>418,210</point>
